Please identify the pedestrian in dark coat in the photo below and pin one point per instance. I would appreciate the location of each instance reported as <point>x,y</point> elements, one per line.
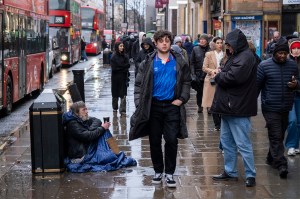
<point>147,48</point>
<point>235,100</point>
<point>188,46</point>
<point>276,80</point>
<point>162,87</point>
<point>119,77</point>
<point>196,64</point>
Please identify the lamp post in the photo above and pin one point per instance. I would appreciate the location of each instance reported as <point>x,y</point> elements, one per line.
<point>112,25</point>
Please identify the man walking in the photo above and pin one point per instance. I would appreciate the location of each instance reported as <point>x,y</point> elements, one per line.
<point>196,62</point>
<point>162,87</point>
<point>236,101</point>
<point>276,79</point>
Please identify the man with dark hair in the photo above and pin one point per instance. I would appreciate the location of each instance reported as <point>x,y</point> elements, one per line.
<point>236,101</point>
<point>162,87</point>
<point>276,79</point>
<point>196,64</point>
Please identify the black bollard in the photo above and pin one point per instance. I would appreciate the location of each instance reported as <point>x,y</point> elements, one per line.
<point>74,93</point>
<point>79,81</point>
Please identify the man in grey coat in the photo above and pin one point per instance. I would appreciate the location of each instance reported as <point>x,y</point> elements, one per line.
<point>162,87</point>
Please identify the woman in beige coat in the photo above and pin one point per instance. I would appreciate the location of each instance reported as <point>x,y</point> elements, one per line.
<point>211,65</point>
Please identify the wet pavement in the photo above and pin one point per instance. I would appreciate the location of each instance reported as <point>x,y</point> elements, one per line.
<point>198,159</point>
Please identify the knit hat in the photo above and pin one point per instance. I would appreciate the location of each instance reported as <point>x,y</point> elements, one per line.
<point>177,39</point>
<point>293,51</point>
<point>204,36</point>
<point>281,45</point>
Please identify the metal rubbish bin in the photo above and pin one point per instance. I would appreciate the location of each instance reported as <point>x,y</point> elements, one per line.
<point>46,133</point>
<point>106,57</point>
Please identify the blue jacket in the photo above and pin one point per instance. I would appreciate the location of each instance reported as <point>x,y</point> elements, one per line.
<point>272,79</point>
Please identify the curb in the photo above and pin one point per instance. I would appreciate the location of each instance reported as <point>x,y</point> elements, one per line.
<point>14,135</point>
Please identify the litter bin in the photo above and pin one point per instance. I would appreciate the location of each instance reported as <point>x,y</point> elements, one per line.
<point>106,57</point>
<point>46,133</point>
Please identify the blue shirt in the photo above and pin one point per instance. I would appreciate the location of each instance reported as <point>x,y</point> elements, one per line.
<point>164,78</point>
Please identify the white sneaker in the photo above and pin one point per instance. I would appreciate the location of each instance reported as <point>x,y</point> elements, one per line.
<point>297,151</point>
<point>291,152</point>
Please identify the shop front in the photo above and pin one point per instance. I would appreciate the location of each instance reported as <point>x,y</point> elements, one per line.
<point>251,25</point>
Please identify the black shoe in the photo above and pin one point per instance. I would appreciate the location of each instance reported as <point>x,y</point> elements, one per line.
<point>217,129</point>
<point>224,177</point>
<point>283,172</point>
<point>200,110</point>
<point>250,182</point>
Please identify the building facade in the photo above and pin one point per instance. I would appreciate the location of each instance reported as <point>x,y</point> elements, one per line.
<point>258,19</point>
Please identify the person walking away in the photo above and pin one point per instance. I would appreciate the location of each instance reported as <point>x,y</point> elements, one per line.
<point>276,80</point>
<point>196,65</point>
<point>293,129</point>
<point>188,46</point>
<point>161,88</point>
<point>235,100</point>
<point>211,66</point>
<point>83,52</point>
<point>104,43</point>
<point>147,48</point>
<point>178,42</point>
<point>119,78</point>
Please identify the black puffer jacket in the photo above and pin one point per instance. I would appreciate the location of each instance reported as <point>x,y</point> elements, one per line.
<point>236,93</point>
<point>272,79</point>
<point>139,121</point>
<point>80,134</point>
<point>197,59</point>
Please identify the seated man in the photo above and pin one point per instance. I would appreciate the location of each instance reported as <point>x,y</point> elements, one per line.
<point>89,144</point>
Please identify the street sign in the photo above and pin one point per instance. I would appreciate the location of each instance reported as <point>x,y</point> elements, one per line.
<point>123,25</point>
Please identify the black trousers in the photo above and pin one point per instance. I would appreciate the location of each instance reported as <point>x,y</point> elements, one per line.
<point>199,94</point>
<point>217,120</point>
<point>164,121</point>
<point>276,123</point>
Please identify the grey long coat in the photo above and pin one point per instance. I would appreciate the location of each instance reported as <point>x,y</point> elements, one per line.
<point>139,121</point>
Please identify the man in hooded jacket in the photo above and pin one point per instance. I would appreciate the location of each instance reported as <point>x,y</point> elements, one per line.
<point>236,101</point>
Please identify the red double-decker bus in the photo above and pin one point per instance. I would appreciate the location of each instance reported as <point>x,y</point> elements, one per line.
<point>23,36</point>
<point>92,24</point>
<point>65,25</point>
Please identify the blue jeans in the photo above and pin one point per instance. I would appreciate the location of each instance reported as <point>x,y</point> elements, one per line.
<point>293,130</point>
<point>235,134</point>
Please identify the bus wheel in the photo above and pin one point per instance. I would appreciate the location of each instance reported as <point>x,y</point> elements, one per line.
<point>9,100</point>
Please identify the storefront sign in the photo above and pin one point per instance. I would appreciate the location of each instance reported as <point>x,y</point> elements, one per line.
<point>216,24</point>
<point>288,2</point>
<point>235,18</point>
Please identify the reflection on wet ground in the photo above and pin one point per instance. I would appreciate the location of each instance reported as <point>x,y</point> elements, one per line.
<point>198,159</point>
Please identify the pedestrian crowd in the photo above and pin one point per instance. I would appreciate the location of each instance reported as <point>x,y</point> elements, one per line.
<point>228,77</point>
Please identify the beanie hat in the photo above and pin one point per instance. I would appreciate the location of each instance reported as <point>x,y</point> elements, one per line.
<point>281,45</point>
<point>177,39</point>
<point>204,36</point>
<point>295,44</point>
